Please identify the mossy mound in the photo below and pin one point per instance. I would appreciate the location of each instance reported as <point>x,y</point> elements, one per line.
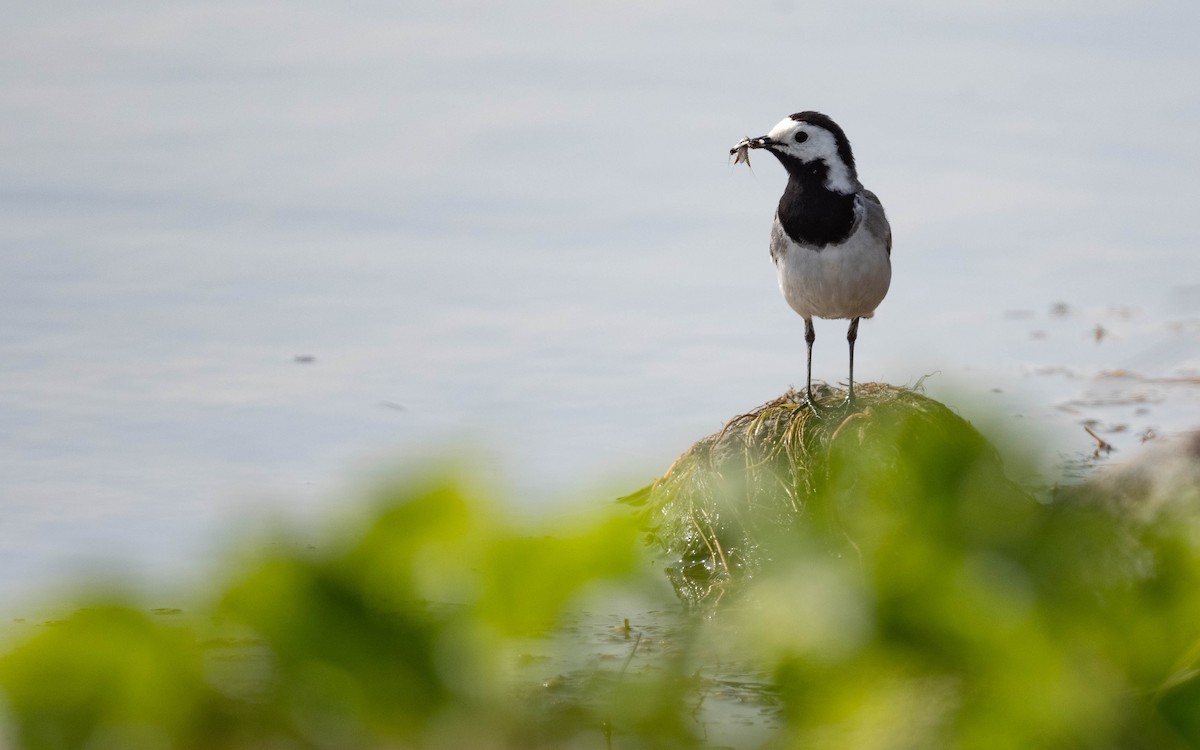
<point>785,475</point>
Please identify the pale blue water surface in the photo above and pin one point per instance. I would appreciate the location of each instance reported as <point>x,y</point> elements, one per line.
<point>253,254</point>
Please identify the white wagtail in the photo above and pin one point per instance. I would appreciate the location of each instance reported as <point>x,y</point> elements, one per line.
<point>831,242</point>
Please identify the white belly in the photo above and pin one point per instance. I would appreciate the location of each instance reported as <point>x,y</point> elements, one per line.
<point>839,281</point>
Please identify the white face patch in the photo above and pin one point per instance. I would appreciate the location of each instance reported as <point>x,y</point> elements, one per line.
<point>820,145</point>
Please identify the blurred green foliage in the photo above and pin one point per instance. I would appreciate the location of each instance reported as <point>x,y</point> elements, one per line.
<point>924,602</point>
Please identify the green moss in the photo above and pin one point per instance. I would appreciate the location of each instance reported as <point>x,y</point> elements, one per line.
<point>784,473</point>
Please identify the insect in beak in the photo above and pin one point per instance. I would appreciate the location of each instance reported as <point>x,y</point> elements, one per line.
<point>741,151</point>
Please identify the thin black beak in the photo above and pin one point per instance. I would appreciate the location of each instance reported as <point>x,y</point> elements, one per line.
<point>763,141</point>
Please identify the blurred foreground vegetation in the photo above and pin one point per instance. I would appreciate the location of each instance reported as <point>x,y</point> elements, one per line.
<point>917,602</point>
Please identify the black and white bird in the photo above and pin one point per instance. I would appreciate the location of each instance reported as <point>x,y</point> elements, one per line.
<point>831,242</point>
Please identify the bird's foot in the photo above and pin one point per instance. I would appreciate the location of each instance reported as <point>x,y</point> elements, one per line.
<point>839,410</point>
<point>809,399</point>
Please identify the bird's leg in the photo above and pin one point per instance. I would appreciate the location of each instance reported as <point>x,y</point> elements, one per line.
<point>810,335</point>
<point>851,335</point>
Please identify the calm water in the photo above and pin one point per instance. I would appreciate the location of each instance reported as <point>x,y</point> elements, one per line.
<point>253,255</point>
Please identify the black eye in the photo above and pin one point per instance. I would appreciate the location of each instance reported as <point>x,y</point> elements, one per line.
<point>801,137</point>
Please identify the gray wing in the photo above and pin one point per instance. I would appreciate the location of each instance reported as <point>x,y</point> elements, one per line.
<point>875,219</point>
<point>779,241</point>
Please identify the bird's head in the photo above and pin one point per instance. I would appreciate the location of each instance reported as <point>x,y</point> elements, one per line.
<point>808,141</point>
